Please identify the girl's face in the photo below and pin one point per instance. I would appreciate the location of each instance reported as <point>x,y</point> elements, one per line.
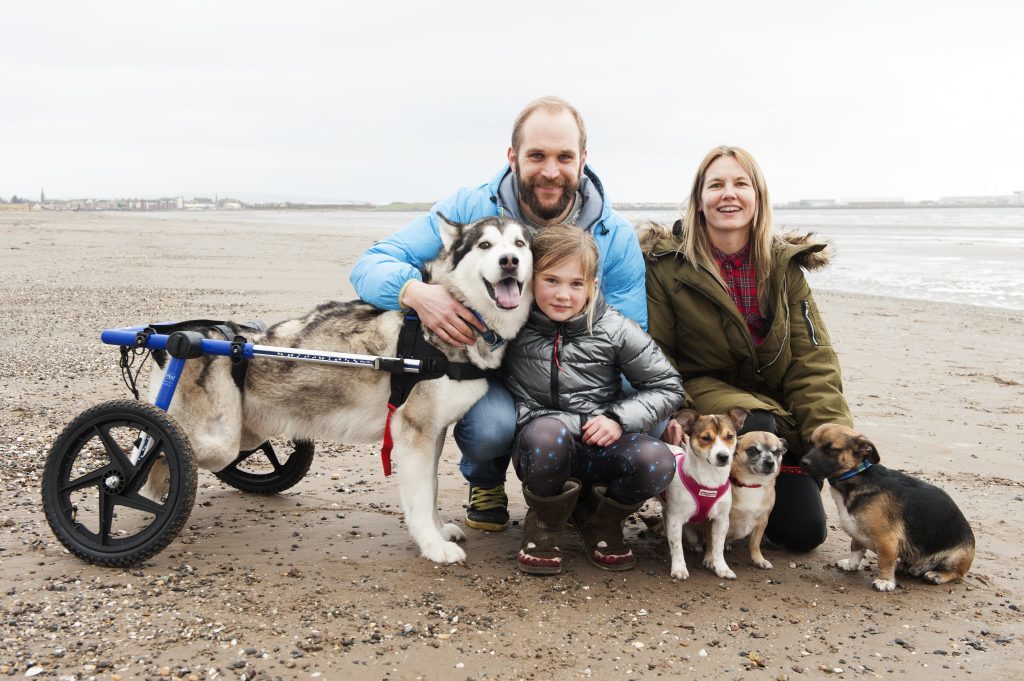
<point>561,292</point>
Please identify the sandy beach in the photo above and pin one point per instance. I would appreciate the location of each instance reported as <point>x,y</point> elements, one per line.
<point>324,582</point>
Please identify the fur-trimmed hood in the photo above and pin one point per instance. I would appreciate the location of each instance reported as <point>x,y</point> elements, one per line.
<point>658,241</point>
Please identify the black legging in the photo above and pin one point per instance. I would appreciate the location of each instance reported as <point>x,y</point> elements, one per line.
<point>635,468</point>
<point>797,522</point>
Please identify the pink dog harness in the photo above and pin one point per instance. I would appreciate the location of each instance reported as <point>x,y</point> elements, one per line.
<point>704,496</point>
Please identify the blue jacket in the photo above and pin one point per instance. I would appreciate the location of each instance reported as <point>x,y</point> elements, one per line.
<point>382,271</point>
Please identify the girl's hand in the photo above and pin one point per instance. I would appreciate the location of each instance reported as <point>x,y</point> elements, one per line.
<point>601,431</point>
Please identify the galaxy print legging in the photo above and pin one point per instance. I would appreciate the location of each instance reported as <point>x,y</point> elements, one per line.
<point>635,468</point>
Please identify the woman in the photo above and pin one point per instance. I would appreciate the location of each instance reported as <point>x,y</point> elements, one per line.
<point>728,303</point>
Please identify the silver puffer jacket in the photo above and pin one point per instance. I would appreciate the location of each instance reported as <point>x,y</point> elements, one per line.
<point>558,369</point>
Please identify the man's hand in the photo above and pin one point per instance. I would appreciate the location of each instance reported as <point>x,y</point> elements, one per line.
<point>452,321</point>
<point>674,434</point>
<point>601,431</point>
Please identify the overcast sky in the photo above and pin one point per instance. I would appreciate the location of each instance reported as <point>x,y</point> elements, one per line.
<point>382,101</point>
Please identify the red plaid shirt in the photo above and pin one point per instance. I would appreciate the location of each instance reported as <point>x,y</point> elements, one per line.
<point>741,279</point>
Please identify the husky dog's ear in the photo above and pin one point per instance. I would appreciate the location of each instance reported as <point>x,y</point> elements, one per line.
<point>450,231</point>
<point>865,449</point>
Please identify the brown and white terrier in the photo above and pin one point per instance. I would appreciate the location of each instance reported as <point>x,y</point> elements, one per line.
<point>755,467</point>
<point>699,491</point>
<point>911,525</point>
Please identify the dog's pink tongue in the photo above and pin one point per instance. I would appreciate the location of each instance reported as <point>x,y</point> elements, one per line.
<point>506,292</point>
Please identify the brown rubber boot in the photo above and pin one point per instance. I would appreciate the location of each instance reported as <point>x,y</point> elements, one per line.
<point>539,553</point>
<point>599,520</point>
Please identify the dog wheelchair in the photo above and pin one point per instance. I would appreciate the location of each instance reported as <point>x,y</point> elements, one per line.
<point>98,466</point>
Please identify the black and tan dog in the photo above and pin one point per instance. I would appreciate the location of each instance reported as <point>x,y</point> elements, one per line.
<point>900,518</point>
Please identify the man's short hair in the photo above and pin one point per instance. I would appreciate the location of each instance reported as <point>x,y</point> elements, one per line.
<point>551,104</point>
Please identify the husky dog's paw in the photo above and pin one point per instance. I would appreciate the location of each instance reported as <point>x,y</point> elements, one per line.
<point>763,563</point>
<point>452,532</point>
<point>850,564</point>
<point>933,577</point>
<point>884,585</point>
<point>445,552</point>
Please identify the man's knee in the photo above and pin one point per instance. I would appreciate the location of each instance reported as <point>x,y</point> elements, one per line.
<point>487,429</point>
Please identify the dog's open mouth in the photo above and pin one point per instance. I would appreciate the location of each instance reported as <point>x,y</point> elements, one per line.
<point>506,293</point>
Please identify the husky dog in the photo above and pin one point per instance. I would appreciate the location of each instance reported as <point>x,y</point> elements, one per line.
<point>486,265</point>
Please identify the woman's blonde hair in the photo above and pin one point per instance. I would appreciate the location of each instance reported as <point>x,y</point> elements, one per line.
<point>555,244</point>
<point>696,241</point>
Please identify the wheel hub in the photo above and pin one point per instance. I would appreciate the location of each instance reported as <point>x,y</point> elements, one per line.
<point>114,482</point>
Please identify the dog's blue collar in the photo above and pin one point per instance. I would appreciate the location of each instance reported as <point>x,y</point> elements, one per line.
<point>490,336</point>
<point>861,467</point>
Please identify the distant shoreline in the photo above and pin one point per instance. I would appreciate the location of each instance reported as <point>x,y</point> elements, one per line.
<point>399,207</point>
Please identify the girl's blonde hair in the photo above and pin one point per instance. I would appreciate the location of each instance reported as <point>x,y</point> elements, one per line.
<point>696,242</point>
<point>555,244</point>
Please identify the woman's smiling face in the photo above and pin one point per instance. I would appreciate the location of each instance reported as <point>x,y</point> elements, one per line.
<point>728,199</point>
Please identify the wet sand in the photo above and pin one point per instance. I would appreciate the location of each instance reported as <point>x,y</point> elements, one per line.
<point>323,581</point>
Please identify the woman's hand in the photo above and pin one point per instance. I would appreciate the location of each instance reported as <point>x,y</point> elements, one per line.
<point>674,434</point>
<point>601,431</point>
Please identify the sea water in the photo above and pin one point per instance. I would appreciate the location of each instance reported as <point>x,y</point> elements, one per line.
<point>973,256</point>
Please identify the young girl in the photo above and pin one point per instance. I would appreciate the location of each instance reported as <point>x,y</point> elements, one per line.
<point>579,437</point>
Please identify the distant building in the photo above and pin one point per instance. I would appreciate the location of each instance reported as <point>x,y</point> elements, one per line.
<point>1004,200</point>
<point>897,202</point>
<point>812,203</point>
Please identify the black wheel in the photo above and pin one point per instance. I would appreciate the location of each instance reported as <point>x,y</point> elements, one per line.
<point>94,474</point>
<point>262,470</point>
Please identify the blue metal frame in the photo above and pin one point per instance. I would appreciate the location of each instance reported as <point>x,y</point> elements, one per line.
<point>129,337</point>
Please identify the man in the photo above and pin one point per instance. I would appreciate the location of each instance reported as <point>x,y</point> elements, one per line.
<point>545,182</point>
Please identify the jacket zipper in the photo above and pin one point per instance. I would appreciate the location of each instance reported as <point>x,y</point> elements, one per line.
<point>810,324</point>
<point>555,368</point>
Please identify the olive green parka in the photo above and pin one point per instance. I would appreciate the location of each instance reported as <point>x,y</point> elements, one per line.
<point>794,373</point>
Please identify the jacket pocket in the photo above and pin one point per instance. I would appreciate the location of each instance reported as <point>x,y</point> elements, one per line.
<point>815,328</point>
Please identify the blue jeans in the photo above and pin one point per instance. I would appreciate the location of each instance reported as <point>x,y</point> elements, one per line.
<point>486,433</point>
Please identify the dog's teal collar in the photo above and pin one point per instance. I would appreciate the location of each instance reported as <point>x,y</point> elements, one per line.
<point>861,467</point>
<point>490,336</point>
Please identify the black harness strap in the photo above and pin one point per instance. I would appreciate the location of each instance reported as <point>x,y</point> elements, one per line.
<point>239,364</point>
<point>433,363</point>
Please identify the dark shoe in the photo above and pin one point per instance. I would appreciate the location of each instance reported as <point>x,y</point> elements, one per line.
<point>599,520</point>
<point>539,552</point>
<point>488,508</point>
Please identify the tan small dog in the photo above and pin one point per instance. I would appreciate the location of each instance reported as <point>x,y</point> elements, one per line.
<point>904,520</point>
<point>755,466</point>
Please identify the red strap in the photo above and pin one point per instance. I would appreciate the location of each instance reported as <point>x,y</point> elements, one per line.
<point>792,470</point>
<point>385,450</point>
<point>737,483</point>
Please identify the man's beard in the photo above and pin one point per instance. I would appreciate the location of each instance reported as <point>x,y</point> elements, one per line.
<point>527,193</point>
